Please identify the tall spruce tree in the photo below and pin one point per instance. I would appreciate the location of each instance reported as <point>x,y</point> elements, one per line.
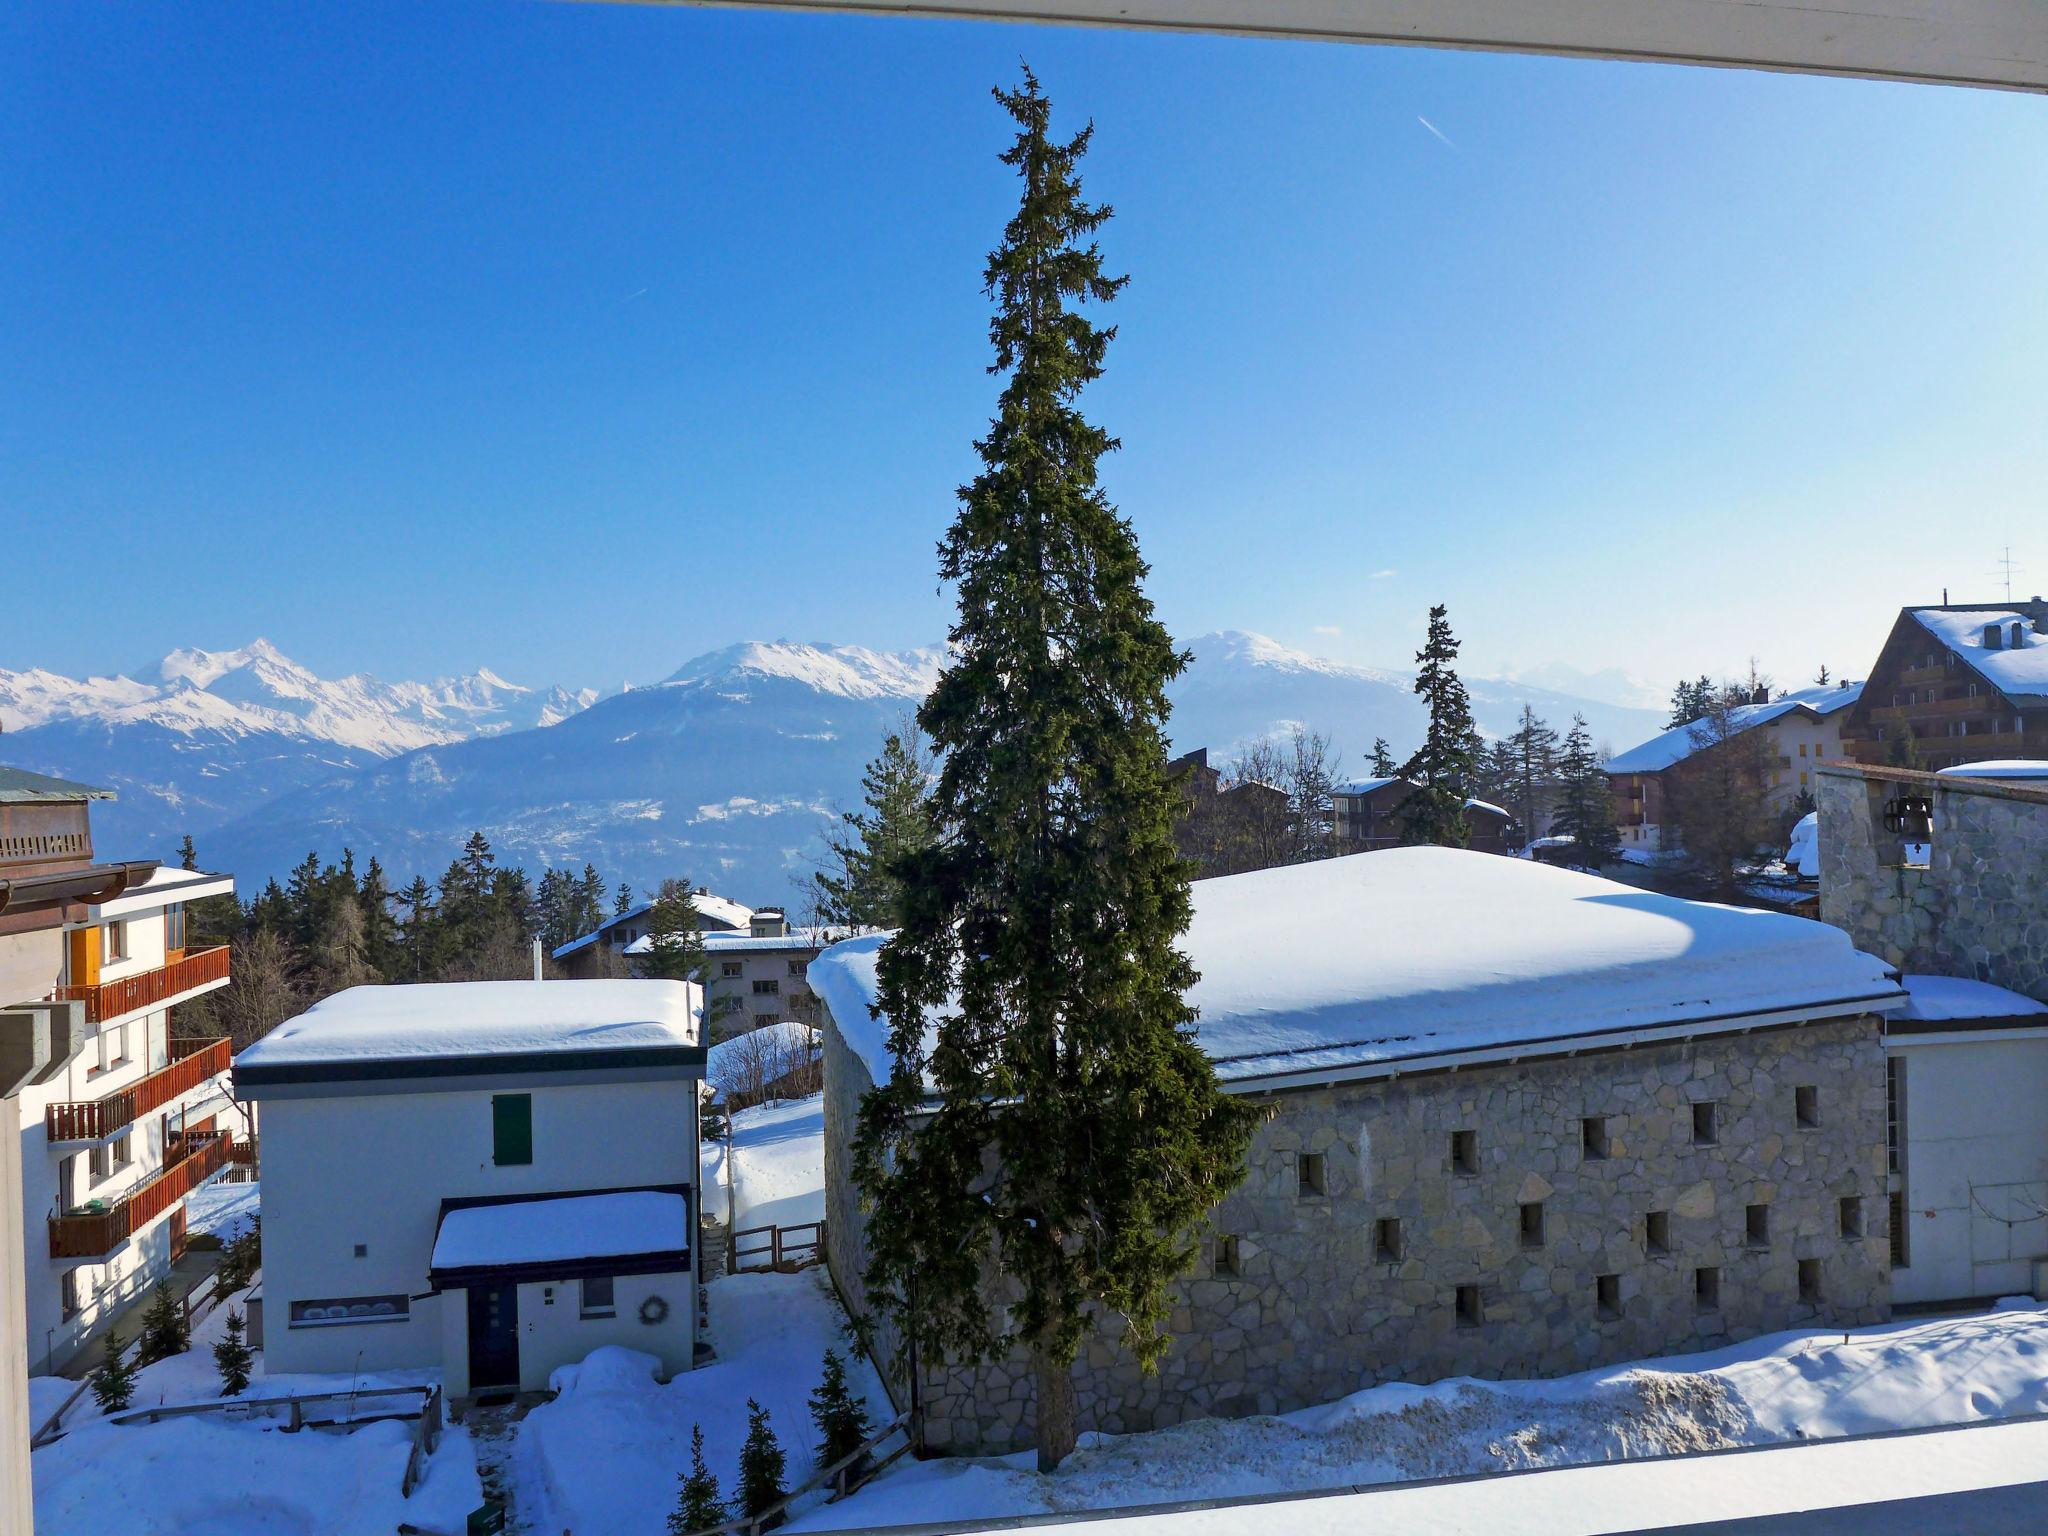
<point>1039,935</point>
<point>675,938</point>
<point>863,885</point>
<point>1585,806</point>
<point>1533,756</point>
<point>1443,764</point>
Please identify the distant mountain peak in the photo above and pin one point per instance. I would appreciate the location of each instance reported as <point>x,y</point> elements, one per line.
<point>850,671</point>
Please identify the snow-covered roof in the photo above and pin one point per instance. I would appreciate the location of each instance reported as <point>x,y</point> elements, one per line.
<point>719,909</point>
<point>1680,742</point>
<point>1410,953</point>
<point>431,1028</point>
<point>515,1234</point>
<point>1364,786</point>
<point>2020,673</point>
<point>1937,999</point>
<point>2003,768</point>
<point>166,885</point>
<point>743,942</point>
<point>1488,805</point>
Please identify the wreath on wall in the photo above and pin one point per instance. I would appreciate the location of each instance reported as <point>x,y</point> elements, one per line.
<point>653,1310</point>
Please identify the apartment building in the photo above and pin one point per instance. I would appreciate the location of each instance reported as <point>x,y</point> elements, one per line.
<point>1806,728</point>
<point>1963,682</point>
<point>603,952</point>
<point>756,974</point>
<point>115,1138</point>
<point>1366,815</point>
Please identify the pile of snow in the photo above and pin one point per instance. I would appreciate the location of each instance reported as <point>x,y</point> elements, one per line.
<point>240,1476</point>
<point>776,1170</point>
<point>1803,856</point>
<point>610,1369</point>
<point>757,1058</point>
<point>1430,952</point>
<point>437,1020</point>
<point>1786,1387</point>
<point>605,1455</point>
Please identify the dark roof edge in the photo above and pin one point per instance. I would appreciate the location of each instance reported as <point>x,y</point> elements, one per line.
<point>503,1063</point>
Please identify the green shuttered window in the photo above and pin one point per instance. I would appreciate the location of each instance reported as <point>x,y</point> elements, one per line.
<point>511,1129</point>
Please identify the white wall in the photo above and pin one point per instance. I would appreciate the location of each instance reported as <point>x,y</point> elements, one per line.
<point>553,1332</point>
<point>373,1169</point>
<point>1976,1151</point>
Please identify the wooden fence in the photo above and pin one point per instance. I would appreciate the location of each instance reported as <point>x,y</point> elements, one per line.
<point>796,1246</point>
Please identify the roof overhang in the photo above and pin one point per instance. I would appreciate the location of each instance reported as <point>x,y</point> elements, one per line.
<point>1996,44</point>
<point>653,1258</point>
<point>91,886</point>
<point>345,1076</point>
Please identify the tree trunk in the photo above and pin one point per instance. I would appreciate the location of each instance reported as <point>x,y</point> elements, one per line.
<point>1057,1409</point>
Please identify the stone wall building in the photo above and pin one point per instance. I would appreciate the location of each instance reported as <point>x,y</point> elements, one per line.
<point>1966,1061</point>
<point>1517,1121</point>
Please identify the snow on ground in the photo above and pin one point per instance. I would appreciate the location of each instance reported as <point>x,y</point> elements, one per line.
<point>239,1477</point>
<point>1785,1387</point>
<point>222,1209</point>
<point>605,1455</point>
<point>1656,1495</point>
<point>778,1164</point>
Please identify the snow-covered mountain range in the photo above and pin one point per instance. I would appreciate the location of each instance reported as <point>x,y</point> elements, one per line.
<point>729,771</point>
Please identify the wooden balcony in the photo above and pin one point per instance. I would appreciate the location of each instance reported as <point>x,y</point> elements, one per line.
<point>192,1063</point>
<point>111,999</point>
<point>189,1161</point>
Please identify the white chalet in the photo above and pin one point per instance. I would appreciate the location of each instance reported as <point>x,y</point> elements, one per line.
<point>492,1178</point>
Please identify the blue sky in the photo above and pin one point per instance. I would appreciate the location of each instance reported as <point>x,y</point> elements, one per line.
<point>574,340</point>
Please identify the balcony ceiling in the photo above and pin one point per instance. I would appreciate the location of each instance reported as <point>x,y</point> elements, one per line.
<point>2000,44</point>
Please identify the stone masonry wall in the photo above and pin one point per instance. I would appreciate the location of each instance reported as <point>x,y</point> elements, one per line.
<point>1315,1311</point>
<point>1980,907</point>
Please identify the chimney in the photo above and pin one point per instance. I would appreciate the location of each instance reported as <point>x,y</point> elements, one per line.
<point>2017,640</point>
<point>1994,637</point>
<point>768,923</point>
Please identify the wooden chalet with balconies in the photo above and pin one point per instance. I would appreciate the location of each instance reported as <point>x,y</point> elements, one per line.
<point>129,1121</point>
<point>1957,683</point>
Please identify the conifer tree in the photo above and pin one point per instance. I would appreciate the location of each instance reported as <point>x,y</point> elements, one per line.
<point>1532,752</point>
<point>380,931</point>
<point>1442,765</point>
<point>1585,805</point>
<point>864,886</point>
<point>1051,907</point>
<point>1383,764</point>
<point>842,1422</point>
<point>233,1357</point>
<point>761,1464</point>
<point>623,903</point>
<point>698,1507</point>
<point>164,1331</point>
<point>675,940</point>
<point>416,929</point>
<point>113,1384</point>
<point>188,856</point>
<point>339,956</point>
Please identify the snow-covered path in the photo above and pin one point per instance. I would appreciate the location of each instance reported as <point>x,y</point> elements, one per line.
<point>778,1164</point>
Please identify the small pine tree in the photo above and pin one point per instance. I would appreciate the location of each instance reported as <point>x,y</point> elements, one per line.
<point>233,1357</point>
<point>842,1421</point>
<point>623,902</point>
<point>1383,764</point>
<point>698,1508</point>
<point>675,941</point>
<point>188,856</point>
<point>761,1464</point>
<point>164,1330</point>
<point>113,1384</point>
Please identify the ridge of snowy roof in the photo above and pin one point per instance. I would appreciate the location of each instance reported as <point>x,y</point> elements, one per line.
<point>1675,745</point>
<point>2000,768</point>
<point>1379,958</point>
<point>2019,673</point>
<point>426,1022</point>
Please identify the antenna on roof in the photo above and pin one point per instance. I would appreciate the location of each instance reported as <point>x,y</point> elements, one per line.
<point>2005,565</point>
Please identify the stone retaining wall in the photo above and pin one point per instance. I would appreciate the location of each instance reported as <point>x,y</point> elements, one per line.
<point>1314,1311</point>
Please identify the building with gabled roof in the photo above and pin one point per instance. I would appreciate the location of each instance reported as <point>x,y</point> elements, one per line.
<point>1964,681</point>
<point>603,951</point>
<point>1806,729</point>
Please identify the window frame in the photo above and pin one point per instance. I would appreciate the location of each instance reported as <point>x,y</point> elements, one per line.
<point>586,1309</point>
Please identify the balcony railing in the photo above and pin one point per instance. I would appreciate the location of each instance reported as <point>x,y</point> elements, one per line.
<point>192,1063</point>
<point>189,1161</point>
<point>111,999</point>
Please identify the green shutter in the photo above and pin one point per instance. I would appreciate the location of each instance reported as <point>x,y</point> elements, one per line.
<point>511,1129</point>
